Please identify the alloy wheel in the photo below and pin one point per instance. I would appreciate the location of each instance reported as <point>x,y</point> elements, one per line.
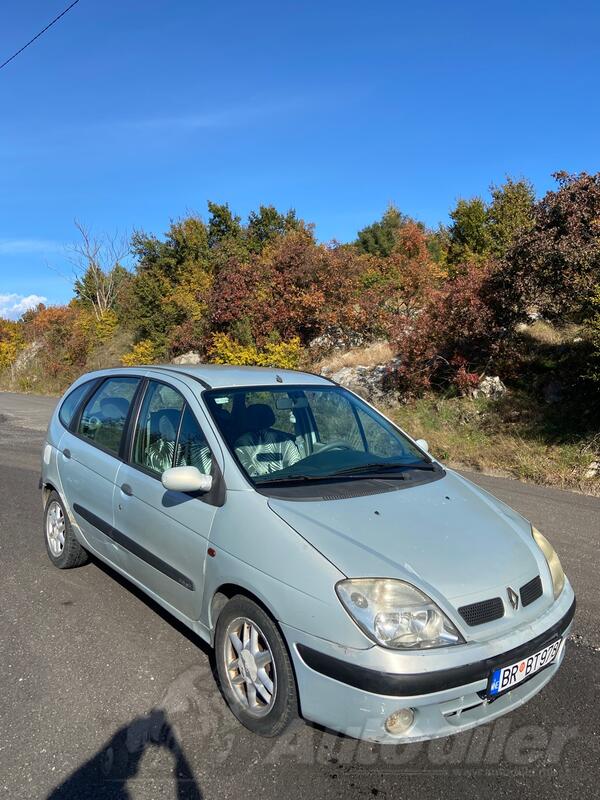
<point>250,666</point>
<point>55,528</point>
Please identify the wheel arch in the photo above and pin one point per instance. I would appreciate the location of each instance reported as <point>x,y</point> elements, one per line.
<point>224,593</point>
<point>47,489</point>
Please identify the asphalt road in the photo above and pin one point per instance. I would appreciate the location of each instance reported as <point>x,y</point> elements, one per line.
<point>104,695</point>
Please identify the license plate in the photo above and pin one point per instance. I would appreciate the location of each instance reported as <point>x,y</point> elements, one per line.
<point>505,678</point>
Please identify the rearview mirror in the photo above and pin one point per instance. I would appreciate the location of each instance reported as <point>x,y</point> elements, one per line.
<point>186,479</point>
<point>422,443</point>
<point>291,403</point>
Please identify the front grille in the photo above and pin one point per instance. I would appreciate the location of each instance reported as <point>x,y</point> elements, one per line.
<point>531,591</point>
<point>484,611</point>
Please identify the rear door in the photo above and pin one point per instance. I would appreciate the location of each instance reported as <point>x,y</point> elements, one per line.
<point>90,457</point>
<point>164,534</point>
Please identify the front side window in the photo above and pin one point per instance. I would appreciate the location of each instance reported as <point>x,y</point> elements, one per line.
<point>103,418</point>
<point>167,433</point>
<point>157,428</point>
<point>309,433</point>
<point>192,447</point>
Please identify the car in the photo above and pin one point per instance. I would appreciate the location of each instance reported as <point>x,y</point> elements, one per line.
<point>339,571</point>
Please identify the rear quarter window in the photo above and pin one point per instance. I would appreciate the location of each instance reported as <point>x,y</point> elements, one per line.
<point>71,403</point>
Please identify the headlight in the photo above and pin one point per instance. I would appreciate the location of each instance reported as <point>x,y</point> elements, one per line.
<point>556,570</point>
<point>395,614</point>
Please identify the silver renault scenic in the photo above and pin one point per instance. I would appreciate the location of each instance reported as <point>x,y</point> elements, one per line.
<point>338,570</point>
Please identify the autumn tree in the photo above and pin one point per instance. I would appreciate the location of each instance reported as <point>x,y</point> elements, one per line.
<point>555,263</point>
<point>460,332</point>
<point>293,287</point>
<point>401,283</point>
<point>172,281</point>
<point>174,304</point>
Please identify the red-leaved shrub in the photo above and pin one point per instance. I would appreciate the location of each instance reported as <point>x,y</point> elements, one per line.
<point>461,330</point>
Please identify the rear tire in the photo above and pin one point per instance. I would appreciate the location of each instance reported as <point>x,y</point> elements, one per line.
<point>256,674</point>
<point>63,549</point>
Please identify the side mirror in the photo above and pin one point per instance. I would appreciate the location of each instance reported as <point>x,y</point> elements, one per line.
<point>422,443</point>
<point>186,479</point>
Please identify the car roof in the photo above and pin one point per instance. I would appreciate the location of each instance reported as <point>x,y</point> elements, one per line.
<point>221,376</point>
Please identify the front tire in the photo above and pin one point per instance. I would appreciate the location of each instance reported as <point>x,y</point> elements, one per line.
<point>255,671</point>
<point>63,549</point>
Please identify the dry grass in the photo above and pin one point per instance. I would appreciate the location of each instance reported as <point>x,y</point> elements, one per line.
<point>482,435</point>
<point>547,334</point>
<point>35,378</point>
<point>369,356</point>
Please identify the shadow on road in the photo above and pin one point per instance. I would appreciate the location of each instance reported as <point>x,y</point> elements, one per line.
<point>148,601</point>
<point>106,775</point>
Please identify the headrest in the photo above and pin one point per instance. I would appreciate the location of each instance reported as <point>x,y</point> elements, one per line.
<point>165,423</point>
<point>258,417</point>
<point>114,407</point>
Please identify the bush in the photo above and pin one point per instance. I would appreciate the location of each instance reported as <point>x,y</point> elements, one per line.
<point>285,355</point>
<point>594,332</point>
<point>11,342</point>
<point>143,352</point>
<point>462,330</point>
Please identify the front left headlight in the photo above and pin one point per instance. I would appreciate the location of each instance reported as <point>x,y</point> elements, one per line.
<point>554,565</point>
<point>396,614</point>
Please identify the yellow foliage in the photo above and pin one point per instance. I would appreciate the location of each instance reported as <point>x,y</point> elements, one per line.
<point>106,326</point>
<point>11,342</point>
<point>143,352</point>
<point>225,350</point>
<point>191,292</point>
<point>286,355</point>
<point>96,330</point>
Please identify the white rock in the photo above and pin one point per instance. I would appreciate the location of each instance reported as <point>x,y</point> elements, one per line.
<point>491,387</point>
<point>188,358</point>
<point>368,382</point>
<point>593,471</point>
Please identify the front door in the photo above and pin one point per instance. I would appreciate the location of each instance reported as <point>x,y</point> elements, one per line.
<point>164,534</point>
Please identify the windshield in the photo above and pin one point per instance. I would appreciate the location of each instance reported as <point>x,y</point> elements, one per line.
<point>309,433</point>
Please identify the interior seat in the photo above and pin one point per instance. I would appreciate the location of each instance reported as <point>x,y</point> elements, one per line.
<point>160,445</point>
<point>262,449</point>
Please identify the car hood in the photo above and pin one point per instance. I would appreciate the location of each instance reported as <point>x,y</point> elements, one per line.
<point>449,537</point>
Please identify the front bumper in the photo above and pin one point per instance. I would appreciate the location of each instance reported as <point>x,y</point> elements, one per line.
<point>348,691</point>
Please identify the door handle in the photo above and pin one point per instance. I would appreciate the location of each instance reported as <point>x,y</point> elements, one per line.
<point>67,453</point>
<point>126,489</point>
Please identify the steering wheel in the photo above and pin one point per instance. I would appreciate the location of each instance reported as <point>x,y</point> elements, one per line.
<point>336,444</point>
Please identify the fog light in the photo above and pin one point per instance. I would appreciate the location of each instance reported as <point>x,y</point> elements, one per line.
<point>400,721</point>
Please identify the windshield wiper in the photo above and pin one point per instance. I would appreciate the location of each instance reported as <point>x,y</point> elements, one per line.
<point>379,467</point>
<point>371,469</point>
<point>290,479</point>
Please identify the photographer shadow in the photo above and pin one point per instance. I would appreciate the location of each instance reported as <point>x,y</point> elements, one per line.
<point>105,776</point>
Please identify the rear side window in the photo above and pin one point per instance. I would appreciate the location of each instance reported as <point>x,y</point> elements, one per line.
<point>103,418</point>
<point>71,403</point>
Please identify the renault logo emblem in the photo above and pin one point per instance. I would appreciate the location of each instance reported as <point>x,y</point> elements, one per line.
<point>513,597</point>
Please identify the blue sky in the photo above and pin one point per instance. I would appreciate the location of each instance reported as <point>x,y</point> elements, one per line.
<point>128,114</point>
